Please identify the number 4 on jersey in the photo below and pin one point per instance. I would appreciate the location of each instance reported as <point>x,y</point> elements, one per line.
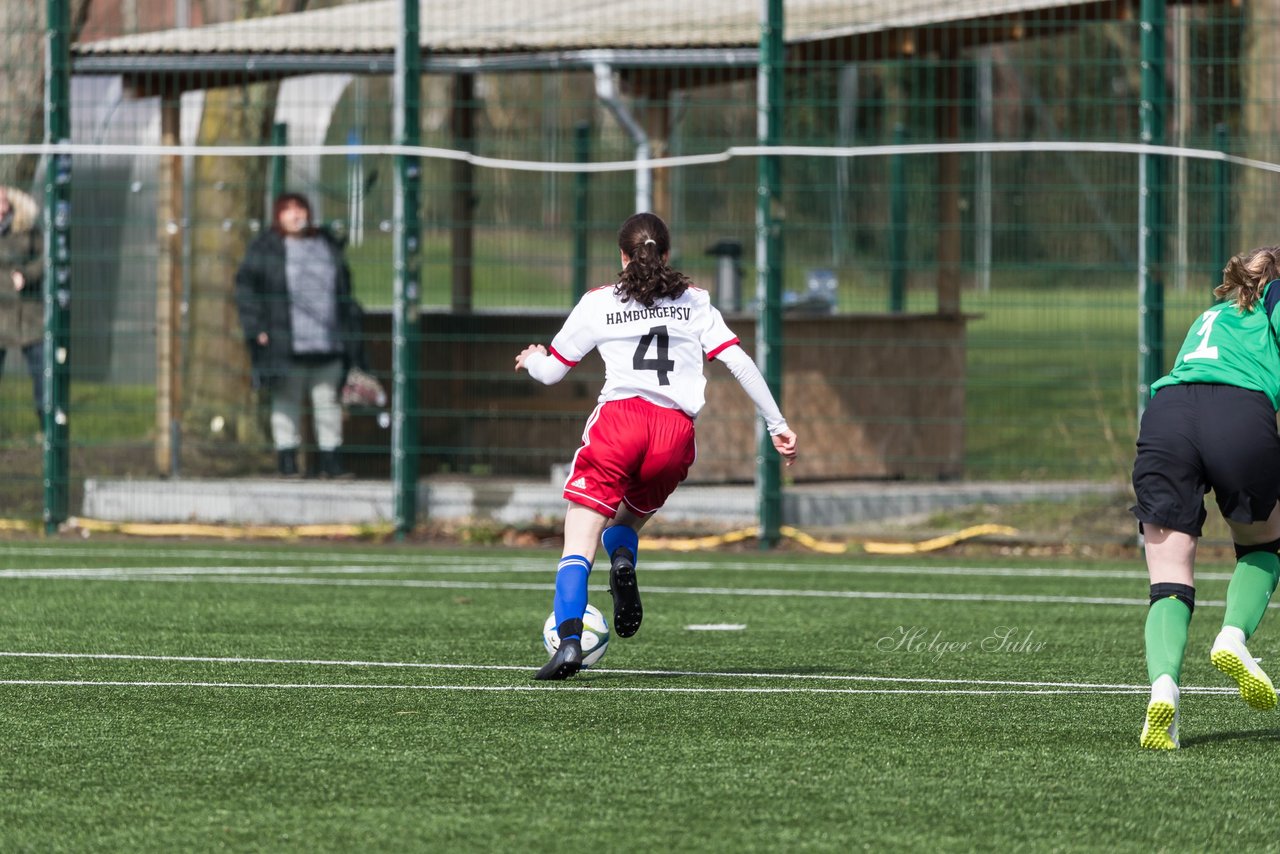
<point>662,364</point>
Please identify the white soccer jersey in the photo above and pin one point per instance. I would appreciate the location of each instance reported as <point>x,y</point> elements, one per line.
<point>655,353</point>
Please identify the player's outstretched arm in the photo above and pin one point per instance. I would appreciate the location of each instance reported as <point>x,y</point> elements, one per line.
<point>785,444</point>
<point>540,365</point>
<point>748,376</point>
<point>524,355</point>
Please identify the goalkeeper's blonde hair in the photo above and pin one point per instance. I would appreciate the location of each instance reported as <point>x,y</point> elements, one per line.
<point>1246,276</point>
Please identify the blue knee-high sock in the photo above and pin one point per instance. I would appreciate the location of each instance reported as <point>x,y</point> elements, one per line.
<point>571,591</point>
<point>621,535</point>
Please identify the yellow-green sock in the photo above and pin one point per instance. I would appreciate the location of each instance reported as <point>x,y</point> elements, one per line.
<point>1250,590</point>
<point>1166,634</point>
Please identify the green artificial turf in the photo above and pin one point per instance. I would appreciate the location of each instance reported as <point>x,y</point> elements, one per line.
<point>333,698</point>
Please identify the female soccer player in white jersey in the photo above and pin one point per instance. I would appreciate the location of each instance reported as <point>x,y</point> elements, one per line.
<point>1211,424</point>
<point>653,330</point>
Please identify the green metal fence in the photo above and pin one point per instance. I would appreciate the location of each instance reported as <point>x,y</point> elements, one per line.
<point>970,270</point>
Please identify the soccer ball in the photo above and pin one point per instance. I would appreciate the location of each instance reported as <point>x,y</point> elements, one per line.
<point>595,635</point>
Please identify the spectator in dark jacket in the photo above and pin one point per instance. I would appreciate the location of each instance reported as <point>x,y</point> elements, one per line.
<point>293,291</point>
<point>21,278</point>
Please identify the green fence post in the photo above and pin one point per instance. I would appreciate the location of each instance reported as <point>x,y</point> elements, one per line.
<point>898,225</point>
<point>55,408</point>
<point>1151,205</point>
<point>275,178</point>
<point>769,264</point>
<point>1221,210</point>
<point>406,260</point>
<point>581,208</point>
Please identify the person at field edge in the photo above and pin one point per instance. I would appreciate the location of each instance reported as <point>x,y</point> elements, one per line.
<point>1211,425</point>
<point>653,329</point>
<point>21,297</point>
<point>293,292</point>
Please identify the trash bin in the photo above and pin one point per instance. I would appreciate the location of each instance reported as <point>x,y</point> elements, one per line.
<point>728,290</point>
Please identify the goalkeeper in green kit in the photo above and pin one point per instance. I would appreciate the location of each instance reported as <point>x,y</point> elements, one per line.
<point>1211,425</point>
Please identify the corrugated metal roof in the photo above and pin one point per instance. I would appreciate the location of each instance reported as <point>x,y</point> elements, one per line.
<point>477,27</point>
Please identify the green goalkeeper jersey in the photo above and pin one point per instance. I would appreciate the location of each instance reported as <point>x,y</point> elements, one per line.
<point>1229,347</point>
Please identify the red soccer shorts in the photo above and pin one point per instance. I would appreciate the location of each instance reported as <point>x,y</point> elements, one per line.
<point>633,451</point>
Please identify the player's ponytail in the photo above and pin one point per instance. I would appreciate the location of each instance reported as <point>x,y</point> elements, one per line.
<point>1246,276</point>
<point>646,242</point>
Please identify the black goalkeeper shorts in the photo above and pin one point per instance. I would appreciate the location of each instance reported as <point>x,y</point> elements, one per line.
<point>1197,437</point>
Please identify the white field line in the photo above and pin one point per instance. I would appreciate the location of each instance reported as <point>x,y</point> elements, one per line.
<point>545,567</point>
<point>300,559</point>
<point>129,575</point>
<point>696,674</point>
<point>668,689</point>
<point>144,573</point>
<point>499,563</point>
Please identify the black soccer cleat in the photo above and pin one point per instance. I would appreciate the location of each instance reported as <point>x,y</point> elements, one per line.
<point>627,611</point>
<point>566,662</point>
